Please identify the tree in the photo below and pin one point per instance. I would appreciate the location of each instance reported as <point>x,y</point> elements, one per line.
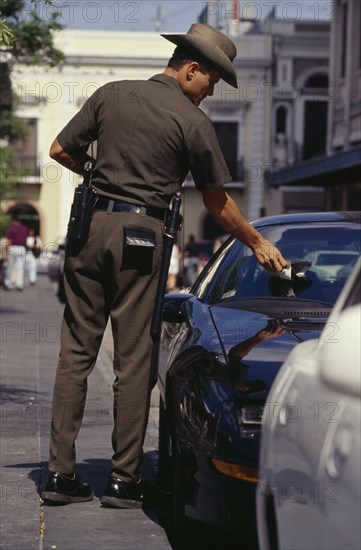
<point>28,41</point>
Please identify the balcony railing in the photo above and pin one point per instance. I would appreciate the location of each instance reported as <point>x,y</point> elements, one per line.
<point>23,167</point>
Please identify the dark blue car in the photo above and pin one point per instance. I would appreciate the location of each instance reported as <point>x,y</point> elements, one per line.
<point>222,345</point>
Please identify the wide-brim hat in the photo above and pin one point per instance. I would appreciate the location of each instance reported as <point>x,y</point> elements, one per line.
<point>210,44</point>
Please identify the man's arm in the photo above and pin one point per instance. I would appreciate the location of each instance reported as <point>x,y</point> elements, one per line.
<point>228,216</point>
<point>74,161</point>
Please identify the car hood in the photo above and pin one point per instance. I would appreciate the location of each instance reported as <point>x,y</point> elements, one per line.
<point>257,335</point>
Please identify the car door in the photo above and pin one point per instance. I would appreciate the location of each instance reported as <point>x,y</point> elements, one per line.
<point>316,440</point>
<point>339,470</point>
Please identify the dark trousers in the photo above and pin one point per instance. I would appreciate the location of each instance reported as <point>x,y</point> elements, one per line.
<point>103,279</point>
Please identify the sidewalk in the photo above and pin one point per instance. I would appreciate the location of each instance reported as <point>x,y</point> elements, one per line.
<point>30,331</point>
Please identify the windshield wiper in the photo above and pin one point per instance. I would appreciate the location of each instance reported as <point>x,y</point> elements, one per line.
<point>278,300</point>
<point>280,308</point>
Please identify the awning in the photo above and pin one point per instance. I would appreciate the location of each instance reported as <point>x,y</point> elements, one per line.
<point>343,167</point>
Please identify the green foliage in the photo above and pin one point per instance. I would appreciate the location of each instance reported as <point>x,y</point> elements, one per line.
<point>11,126</point>
<point>11,9</point>
<point>4,223</point>
<point>34,41</point>
<point>7,36</point>
<point>28,41</point>
<point>8,183</point>
<point>7,173</point>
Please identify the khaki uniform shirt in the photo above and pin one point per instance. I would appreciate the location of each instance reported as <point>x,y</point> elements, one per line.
<point>149,135</point>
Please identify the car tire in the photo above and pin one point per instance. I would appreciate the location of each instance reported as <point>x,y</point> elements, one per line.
<point>164,458</point>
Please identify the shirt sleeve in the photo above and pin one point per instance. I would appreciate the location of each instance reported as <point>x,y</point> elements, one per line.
<point>207,164</point>
<point>81,130</point>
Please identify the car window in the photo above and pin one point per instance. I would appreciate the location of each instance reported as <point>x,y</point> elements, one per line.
<point>330,250</point>
<point>209,273</point>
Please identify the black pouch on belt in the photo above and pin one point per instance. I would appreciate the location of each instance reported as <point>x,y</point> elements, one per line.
<point>80,213</point>
<point>139,245</point>
<point>82,208</point>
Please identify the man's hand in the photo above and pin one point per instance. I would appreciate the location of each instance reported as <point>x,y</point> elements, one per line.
<point>227,215</point>
<point>269,256</point>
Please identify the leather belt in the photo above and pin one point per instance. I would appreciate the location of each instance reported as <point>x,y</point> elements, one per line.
<point>102,203</point>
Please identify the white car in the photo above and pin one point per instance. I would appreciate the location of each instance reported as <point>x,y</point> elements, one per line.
<point>328,265</point>
<point>309,490</point>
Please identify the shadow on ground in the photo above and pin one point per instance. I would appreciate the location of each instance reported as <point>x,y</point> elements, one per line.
<point>157,506</point>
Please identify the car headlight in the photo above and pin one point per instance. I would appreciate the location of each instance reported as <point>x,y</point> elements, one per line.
<point>251,414</point>
<point>250,420</point>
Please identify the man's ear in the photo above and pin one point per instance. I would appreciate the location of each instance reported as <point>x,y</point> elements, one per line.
<point>192,70</point>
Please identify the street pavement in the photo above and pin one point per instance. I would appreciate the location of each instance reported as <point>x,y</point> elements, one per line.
<point>30,332</point>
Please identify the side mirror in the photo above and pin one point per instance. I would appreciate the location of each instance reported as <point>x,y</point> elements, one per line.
<point>172,308</point>
<point>341,353</point>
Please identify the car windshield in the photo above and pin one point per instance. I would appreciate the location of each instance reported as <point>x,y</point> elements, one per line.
<point>323,255</point>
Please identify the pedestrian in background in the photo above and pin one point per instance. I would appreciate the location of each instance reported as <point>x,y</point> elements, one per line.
<point>16,236</point>
<point>192,253</point>
<point>3,259</point>
<point>149,135</point>
<point>33,252</point>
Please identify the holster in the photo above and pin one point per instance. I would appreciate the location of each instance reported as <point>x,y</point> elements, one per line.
<point>80,213</point>
<point>82,208</point>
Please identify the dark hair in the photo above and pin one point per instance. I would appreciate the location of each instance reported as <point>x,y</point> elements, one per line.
<point>181,56</point>
<point>176,62</point>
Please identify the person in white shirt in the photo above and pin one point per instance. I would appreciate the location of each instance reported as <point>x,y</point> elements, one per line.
<point>33,251</point>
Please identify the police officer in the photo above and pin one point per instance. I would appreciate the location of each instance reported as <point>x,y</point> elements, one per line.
<point>149,135</point>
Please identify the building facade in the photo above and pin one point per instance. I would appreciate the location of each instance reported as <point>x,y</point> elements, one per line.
<point>300,93</point>
<point>337,167</point>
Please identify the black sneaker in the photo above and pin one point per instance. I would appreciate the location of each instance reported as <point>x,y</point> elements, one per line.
<point>65,489</point>
<point>122,494</point>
